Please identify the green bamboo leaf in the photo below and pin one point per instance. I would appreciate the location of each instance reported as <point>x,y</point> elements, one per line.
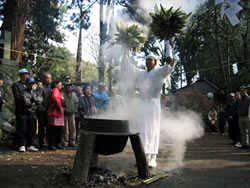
<point>167,23</point>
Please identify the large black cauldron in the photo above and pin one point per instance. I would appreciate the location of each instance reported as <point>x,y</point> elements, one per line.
<point>111,135</point>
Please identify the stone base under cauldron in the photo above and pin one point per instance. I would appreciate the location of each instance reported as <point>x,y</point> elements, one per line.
<point>86,157</point>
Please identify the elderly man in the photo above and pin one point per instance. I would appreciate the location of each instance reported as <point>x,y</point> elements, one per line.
<point>70,108</point>
<point>44,91</point>
<point>148,116</point>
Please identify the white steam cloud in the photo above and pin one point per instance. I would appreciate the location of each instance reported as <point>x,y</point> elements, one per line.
<point>185,5</point>
<point>177,129</point>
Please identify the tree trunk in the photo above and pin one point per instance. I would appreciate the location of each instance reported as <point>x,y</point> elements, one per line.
<point>246,40</point>
<point>79,47</point>
<point>219,50</point>
<point>101,67</point>
<point>79,57</point>
<point>228,65</point>
<point>104,24</point>
<point>15,15</point>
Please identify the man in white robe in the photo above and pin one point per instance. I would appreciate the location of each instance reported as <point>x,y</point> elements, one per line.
<point>149,83</point>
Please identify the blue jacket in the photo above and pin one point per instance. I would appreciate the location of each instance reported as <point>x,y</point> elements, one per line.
<point>101,98</point>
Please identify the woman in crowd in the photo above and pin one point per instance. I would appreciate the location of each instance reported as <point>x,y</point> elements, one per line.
<point>56,117</point>
<point>87,104</point>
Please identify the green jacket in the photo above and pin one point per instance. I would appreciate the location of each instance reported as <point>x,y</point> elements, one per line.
<point>70,103</point>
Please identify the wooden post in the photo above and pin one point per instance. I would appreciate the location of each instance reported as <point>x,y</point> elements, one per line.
<point>94,160</point>
<point>142,165</point>
<point>83,158</point>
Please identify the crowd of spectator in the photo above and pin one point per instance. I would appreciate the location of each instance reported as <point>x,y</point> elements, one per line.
<point>235,114</point>
<point>52,111</point>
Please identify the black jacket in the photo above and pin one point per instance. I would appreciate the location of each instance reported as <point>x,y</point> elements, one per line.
<point>232,109</point>
<point>243,105</point>
<point>31,100</point>
<point>44,92</point>
<point>17,90</point>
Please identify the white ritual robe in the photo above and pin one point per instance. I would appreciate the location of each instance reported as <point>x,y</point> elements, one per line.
<point>148,115</point>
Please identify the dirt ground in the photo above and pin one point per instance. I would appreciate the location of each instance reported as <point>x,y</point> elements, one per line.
<point>209,162</point>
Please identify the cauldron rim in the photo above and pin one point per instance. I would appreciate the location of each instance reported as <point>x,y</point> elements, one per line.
<point>108,133</point>
<point>105,119</point>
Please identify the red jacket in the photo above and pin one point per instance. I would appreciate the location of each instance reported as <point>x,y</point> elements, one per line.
<point>55,103</point>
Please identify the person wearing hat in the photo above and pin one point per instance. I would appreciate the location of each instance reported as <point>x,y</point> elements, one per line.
<point>27,127</point>
<point>17,91</point>
<point>67,79</point>
<point>39,82</point>
<point>2,101</point>
<point>148,115</point>
<point>70,108</point>
<point>101,96</point>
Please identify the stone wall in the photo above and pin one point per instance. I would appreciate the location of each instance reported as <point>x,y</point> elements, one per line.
<point>9,69</point>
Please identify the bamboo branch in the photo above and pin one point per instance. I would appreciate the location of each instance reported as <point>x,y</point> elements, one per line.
<point>155,178</point>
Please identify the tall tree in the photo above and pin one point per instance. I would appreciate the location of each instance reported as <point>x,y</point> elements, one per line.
<point>40,32</point>
<point>40,15</point>
<point>211,45</point>
<point>15,14</point>
<point>106,28</point>
<point>80,21</point>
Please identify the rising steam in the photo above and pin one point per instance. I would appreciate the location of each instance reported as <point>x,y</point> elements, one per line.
<point>178,127</point>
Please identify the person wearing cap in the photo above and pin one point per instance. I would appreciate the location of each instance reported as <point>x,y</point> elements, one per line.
<point>18,88</point>
<point>17,91</point>
<point>233,120</point>
<point>2,101</point>
<point>101,96</point>
<point>244,120</point>
<point>70,108</point>
<point>44,91</point>
<point>27,129</point>
<point>39,82</point>
<point>149,83</point>
<point>67,79</point>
